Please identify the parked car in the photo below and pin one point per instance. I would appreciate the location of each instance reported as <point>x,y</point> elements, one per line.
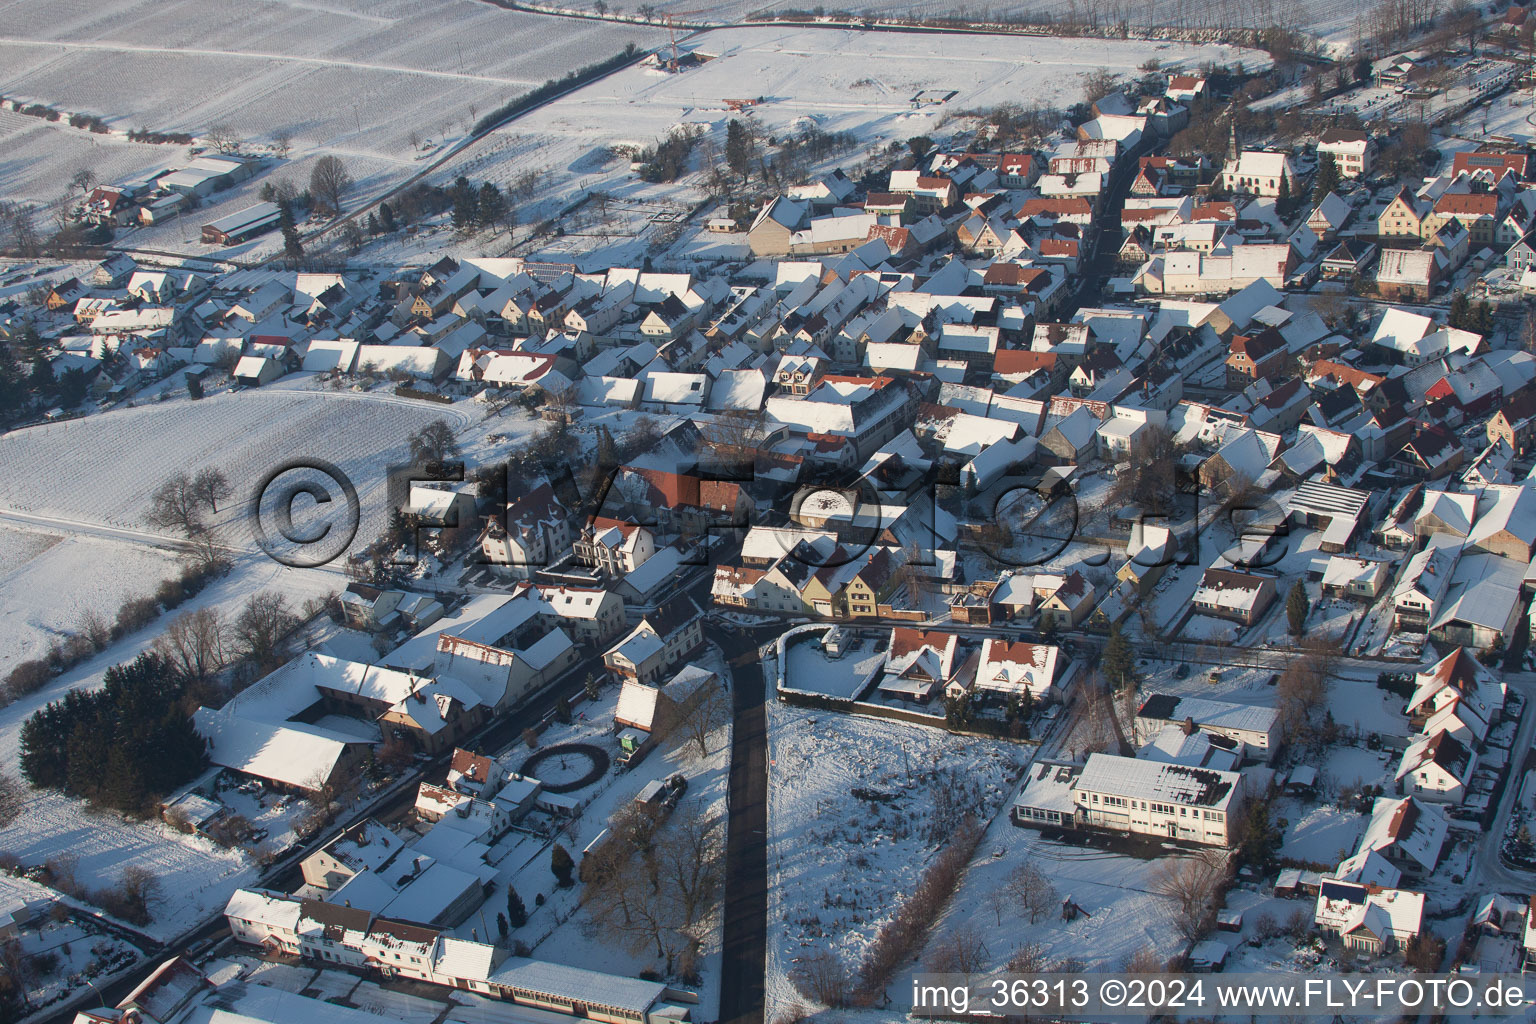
<point>673,790</point>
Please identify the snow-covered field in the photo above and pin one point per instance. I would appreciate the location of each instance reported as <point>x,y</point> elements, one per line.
<point>836,80</point>
<point>35,609</point>
<point>74,540</point>
<point>1334,21</point>
<point>101,470</point>
<point>838,865</point>
<point>382,85</point>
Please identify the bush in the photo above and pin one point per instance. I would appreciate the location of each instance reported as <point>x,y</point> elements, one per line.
<point>312,824</point>
<point>904,932</point>
<point>27,677</point>
<point>170,594</point>
<point>1395,683</point>
<point>134,614</point>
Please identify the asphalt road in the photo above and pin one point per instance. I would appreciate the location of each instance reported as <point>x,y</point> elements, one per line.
<point>746,847</point>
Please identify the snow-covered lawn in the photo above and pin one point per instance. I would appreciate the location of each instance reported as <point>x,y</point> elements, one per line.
<point>807,667</point>
<point>1319,834</point>
<point>839,863</point>
<point>1124,915</point>
<point>1359,703</point>
<point>1356,766</point>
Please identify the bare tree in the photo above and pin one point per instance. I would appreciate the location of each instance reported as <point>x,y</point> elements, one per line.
<point>821,977</point>
<point>1097,84</point>
<point>261,630</point>
<point>222,138</point>
<point>142,890</point>
<point>175,505</point>
<point>1528,333</point>
<point>210,486</point>
<point>84,179</point>
<point>688,867</point>
<point>735,431</point>
<point>205,553</point>
<point>329,181</point>
<point>196,642</point>
<point>18,230</point>
<point>1032,891</point>
<point>709,713</point>
<point>96,629</point>
<point>960,951</point>
<point>434,443</point>
<point>1027,959</point>
<point>1192,885</point>
<point>1145,960</point>
<point>282,142</point>
<point>1302,687</point>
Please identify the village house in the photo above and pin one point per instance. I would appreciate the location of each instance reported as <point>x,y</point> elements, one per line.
<point>1006,670</point>
<point>1352,151</point>
<point>1368,919</point>
<point>1256,729</point>
<point>1230,594</point>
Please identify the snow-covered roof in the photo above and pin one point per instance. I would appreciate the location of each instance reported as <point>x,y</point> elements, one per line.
<point>1165,783</point>
<point>1212,714</point>
<point>293,754</point>
<point>578,984</point>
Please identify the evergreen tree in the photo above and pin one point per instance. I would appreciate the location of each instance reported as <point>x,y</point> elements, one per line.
<point>517,914</point>
<point>1461,309</point>
<point>501,925</point>
<point>563,711</point>
<point>957,711</point>
<point>121,746</point>
<point>72,387</point>
<point>491,207</point>
<point>1283,200</point>
<point>1327,177</point>
<point>373,223</point>
<point>738,147</point>
<point>372,770</point>
<point>1483,320</point>
<point>562,865</point>
<point>29,344</point>
<point>194,388</point>
<point>465,204</point>
<point>293,249</point>
<point>41,377</point>
<point>386,216</point>
<point>1296,608</point>
<point>13,390</point>
<point>592,687</point>
<point>1117,658</point>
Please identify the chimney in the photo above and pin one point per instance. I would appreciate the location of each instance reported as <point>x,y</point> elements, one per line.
<point>1189,726</point>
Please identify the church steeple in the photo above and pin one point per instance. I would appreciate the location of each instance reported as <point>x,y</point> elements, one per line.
<point>1232,151</point>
